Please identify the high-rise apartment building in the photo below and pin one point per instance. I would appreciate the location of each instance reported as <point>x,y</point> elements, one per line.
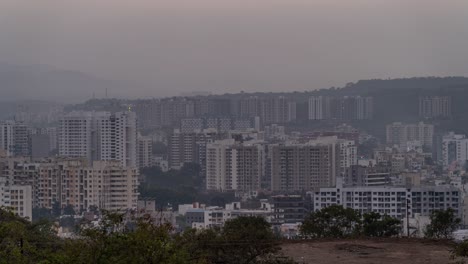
<point>148,113</point>
<point>78,135</point>
<point>99,136</point>
<point>184,147</point>
<point>318,108</point>
<point>298,167</point>
<point>105,184</point>
<point>117,138</point>
<point>400,134</point>
<point>271,110</point>
<point>15,138</point>
<point>435,106</point>
<point>341,108</point>
<point>234,166</point>
<point>347,150</point>
<point>454,149</point>
<point>277,110</point>
<point>175,109</point>
<point>145,152</point>
<point>249,107</point>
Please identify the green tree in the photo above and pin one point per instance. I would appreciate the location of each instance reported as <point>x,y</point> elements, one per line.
<point>114,242</point>
<point>243,240</point>
<point>376,225</point>
<point>443,223</point>
<point>248,239</point>
<point>24,242</point>
<point>332,221</point>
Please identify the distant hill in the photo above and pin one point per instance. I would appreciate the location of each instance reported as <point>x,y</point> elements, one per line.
<point>39,82</point>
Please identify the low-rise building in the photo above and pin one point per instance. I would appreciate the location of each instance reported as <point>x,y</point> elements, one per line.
<point>389,200</point>
<point>18,198</point>
<point>288,209</point>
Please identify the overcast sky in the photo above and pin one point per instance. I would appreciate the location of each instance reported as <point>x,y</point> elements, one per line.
<point>232,45</point>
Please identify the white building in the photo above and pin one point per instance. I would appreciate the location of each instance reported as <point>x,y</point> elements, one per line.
<point>209,217</point>
<point>318,107</point>
<point>392,201</point>
<point>99,136</point>
<point>76,132</point>
<point>454,149</point>
<point>14,138</point>
<point>118,138</point>
<point>16,197</point>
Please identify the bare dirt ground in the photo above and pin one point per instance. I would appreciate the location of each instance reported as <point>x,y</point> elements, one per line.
<point>378,251</point>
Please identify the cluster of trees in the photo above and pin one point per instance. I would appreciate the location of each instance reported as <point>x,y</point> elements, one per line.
<point>176,187</point>
<point>242,240</point>
<point>443,224</point>
<point>338,222</point>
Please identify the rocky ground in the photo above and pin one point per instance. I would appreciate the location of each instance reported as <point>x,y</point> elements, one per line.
<point>378,251</point>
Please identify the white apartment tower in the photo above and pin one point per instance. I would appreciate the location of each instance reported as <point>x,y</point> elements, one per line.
<point>76,131</point>
<point>454,149</point>
<point>118,138</point>
<point>14,138</point>
<point>6,137</point>
<point>16,197</point>
<point>316,108</point>
<point>99,136</point>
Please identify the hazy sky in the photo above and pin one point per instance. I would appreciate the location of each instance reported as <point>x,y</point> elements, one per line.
<point>228,46</point>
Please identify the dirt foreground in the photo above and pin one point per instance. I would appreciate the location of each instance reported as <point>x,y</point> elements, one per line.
<point>378,251</point>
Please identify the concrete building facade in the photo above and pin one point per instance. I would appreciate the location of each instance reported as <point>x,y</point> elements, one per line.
<point>298,167</point>
<point>234,166</point>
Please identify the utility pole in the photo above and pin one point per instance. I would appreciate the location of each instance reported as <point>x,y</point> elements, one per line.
<point>407,216</point>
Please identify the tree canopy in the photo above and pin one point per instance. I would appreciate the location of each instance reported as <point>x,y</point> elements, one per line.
<point>117,239</point>
<point>332,221</point>
<point>337,222</point>
<point>443,224</point>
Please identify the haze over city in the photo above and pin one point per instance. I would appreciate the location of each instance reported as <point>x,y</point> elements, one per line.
<point>166,48</point>
<point>233,131</point>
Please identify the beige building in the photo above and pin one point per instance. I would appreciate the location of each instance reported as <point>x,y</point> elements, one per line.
<point>235,166</point>
<point>145,152</point>
<point>308,166</point>
<point>105,184</point>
